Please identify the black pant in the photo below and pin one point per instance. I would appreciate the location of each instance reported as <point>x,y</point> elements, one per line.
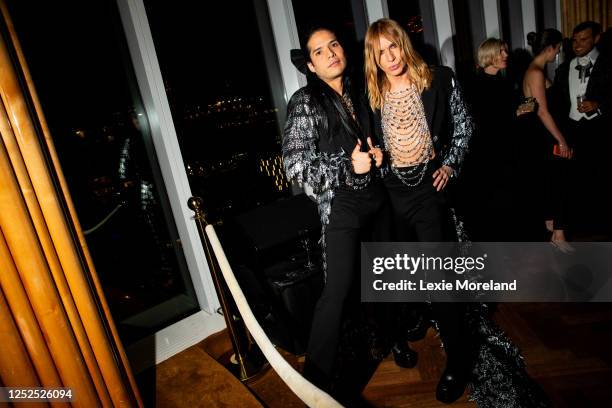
<point>420,211</point>
<point>352,220</point>
<point>590,198</point>
<point>424,215</point>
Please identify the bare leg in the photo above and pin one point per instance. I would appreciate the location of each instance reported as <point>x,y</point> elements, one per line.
<point>558,239</point>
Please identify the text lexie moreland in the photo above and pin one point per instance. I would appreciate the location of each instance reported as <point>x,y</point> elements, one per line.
<point>458,285</point>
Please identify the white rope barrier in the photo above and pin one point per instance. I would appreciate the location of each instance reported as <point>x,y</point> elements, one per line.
<point>305,390</point>
<point>104,220</point>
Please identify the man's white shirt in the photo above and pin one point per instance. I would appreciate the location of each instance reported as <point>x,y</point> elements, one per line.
<point>578,85</point>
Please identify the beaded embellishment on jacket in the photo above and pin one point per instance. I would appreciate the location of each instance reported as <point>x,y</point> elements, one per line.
<point>304,163</point>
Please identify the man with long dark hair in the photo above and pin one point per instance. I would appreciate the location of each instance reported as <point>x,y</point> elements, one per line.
<point>328,145</point>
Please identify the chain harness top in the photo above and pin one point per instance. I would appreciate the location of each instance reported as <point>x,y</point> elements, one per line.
<point>406,134</point>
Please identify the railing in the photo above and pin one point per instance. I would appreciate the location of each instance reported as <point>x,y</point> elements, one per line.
<point>305,390</point>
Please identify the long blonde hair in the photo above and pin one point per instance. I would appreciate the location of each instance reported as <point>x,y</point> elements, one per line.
<point>418,71</point>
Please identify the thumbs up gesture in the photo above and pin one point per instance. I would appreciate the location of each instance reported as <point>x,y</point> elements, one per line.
<point>361,160</point>
<point>376,153</point>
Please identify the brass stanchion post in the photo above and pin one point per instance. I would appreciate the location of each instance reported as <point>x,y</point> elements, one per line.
<point>248,367</point>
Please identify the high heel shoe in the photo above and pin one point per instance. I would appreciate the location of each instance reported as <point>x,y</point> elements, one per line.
<point>403,355</point>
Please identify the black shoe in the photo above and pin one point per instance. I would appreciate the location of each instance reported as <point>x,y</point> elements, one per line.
<point>451,386</point>
<point>404,356</point>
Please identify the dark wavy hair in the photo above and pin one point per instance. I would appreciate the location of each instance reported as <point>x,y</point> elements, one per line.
<point>544,39</point>
<point>323,94</point>
<point>594,26</point>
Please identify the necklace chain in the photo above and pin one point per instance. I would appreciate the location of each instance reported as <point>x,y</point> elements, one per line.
<point>406,134</point>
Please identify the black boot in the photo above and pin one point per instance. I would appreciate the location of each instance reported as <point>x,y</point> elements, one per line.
<point>456,337</point>
<point>418,329</point>
<point>412,321</point>
<point>403,355</point>
<point>451,385</point>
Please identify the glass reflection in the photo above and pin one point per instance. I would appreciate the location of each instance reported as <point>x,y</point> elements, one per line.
<point>220,96</point>
<point>77,56</point>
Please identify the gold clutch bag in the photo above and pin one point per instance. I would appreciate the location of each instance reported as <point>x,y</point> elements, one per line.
<point>527,106</point>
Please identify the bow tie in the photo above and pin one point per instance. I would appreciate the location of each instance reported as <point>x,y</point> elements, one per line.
<point>584,71</point>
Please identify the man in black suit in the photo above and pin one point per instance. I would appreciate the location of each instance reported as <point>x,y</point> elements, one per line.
<point>583,94</point>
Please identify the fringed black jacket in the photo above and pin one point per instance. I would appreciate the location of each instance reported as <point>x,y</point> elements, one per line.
<point>318,140</point>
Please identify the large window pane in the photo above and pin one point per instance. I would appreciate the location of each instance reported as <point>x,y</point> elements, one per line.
<point>346,17</point>
<point>223,107</point>
<point>417,19</point>
<point>469,34</point>
<point>77,55</point>
<point>340,14</point>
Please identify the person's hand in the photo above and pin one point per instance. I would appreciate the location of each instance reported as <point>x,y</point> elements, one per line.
<point>441,177</point>
<point>564,149</point>
<point>588,106</point>
<point>361,160</point>
<point>376,153</point>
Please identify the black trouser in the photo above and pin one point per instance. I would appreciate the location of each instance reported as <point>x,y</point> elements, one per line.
<point>424,215</point>
<point>420,210</point>
<point>590,198</point>
<point>352,220</point>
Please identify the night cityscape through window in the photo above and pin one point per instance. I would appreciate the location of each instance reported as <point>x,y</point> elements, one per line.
<point>219,94</point>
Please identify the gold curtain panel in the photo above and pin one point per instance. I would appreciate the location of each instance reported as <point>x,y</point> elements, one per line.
<point>58,330</point>
<point>574,12</point>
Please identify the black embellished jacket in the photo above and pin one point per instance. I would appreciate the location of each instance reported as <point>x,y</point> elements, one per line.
<point>449,122</point>
<point>317,147</point>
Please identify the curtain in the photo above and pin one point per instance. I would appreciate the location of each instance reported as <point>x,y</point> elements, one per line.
<point>574,12</point>
<point>53,315</point>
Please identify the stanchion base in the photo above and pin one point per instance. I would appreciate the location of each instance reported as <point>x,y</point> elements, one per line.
<point>250,369</point>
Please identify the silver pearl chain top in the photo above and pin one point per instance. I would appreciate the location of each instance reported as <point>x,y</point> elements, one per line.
<point>406,134</point>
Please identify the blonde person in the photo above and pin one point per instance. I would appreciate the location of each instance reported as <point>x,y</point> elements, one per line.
<point>414,104</point>
<point>488,178</point>
<point>425,128</point>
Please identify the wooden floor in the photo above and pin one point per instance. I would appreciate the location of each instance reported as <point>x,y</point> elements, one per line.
<point>567,349</point>
<point>393,386</point>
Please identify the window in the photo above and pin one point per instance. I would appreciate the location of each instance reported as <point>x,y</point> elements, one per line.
<point>77,56</point>
<point>417,19</point>
<point>217,80</point>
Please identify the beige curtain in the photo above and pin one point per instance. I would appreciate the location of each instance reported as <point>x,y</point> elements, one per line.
<point>574,12</point>
<point>53,315</point>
